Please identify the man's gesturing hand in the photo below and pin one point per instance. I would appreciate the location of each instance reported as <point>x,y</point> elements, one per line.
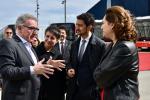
<point>43,69</point>
<point>58,64</point>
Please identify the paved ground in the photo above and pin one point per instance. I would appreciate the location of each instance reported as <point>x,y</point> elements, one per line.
<point>144,85</point>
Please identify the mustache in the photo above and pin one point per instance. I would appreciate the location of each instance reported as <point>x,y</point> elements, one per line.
<point>77,31</point>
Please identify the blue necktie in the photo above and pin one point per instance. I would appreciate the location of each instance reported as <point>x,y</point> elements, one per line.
<point>81,52</point>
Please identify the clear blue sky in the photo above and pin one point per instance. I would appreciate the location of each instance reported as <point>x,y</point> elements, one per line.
<point>50,11</point>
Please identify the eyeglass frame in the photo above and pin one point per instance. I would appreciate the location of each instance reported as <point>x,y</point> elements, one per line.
<point>9,32</point>
<point>31,28</point>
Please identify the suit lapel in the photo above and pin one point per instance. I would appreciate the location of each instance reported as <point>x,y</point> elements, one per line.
<point>76,48</point>
<point>23,48</point>
<point>91,50</point>
<point>66,45</point>
<point>87,51</point>
<point>35,53</point>
<point>57,47</point>
<point>108,49</point>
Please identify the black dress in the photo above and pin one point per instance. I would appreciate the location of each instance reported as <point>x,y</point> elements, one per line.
<point>54,87</point>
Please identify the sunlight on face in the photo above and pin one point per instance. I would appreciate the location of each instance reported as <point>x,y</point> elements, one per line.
<point>63,34</point>
<point>81,28</point>
<point>8,33</point>
<point>29,29</point>
<point>107,29</point>
<point>50,39</point>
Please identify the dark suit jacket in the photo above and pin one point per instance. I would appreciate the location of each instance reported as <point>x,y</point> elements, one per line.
<point>83,81</point>
<point>117,72</point>
<point>54,87</point>
<point>67,47</point>
<point>18,83</point>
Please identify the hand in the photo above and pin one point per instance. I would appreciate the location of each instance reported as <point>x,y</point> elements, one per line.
<point>71,73</point>
<point>43,69</point>
<point>58,64</point>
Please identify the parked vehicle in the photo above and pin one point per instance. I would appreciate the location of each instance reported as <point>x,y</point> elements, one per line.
<point>143,30</point>
<point>70,29</point>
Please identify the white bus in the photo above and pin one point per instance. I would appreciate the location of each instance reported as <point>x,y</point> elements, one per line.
<point>143,30</point>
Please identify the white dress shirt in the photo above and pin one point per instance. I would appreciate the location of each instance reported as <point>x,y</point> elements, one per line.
<point>86,43</point>
<point>28,47</point>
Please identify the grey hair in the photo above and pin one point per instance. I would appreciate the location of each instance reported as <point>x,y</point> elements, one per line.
<point>21,19</point>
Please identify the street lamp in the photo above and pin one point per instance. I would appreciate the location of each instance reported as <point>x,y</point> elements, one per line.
<point>37,10</point>
<point>64,2</point>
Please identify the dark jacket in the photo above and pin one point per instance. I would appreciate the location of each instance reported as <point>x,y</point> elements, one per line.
<point>15,62</point>
<point>66,53</point>
<point>83,83</point>
<point>117,72</point>
<point>54,87</point>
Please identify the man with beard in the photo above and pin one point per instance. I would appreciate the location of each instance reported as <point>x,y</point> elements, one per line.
<point>85,55</point>
<point>63,45</point>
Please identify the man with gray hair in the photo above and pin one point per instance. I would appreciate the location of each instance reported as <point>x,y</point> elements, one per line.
<point>19,65</point>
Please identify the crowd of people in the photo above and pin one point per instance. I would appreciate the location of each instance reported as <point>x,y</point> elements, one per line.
<point>58,69</point>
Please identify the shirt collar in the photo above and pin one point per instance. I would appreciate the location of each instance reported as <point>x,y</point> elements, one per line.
<point>23,40</point>
<point>62,41</point>
<point>87,38</point>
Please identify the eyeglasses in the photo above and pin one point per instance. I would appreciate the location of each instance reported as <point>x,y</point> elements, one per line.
<point>8,32</point>
<point>32,28</point>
